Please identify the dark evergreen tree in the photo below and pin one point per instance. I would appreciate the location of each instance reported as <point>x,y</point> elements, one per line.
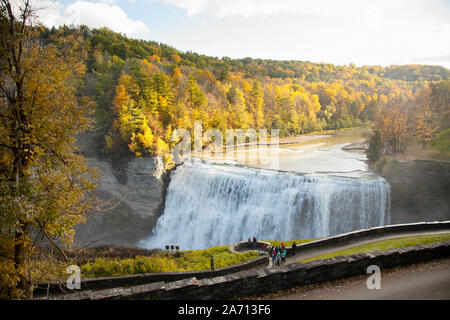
<point>375,146</point>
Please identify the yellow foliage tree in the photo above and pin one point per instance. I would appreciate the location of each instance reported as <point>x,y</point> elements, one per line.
<point>426,123</point>
<point>44,184</point>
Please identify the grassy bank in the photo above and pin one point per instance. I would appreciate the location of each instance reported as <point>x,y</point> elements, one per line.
<point>384,245</point>
<point>117,261</point>
<point>165,262</point>
<point>415,150</point>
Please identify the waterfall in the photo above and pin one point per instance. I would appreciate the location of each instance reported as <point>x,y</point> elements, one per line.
<point>210,204</point>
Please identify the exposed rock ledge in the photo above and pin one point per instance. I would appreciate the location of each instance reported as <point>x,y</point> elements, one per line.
<point>132,192</point>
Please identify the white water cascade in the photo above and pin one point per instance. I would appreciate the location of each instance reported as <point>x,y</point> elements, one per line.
<point>209,205</point>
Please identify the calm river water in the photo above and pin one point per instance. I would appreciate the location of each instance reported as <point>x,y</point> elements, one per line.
<point>306,154</point>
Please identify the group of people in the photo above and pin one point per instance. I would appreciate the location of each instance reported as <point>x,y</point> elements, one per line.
<point>252,243</point>
<point>276,253</point>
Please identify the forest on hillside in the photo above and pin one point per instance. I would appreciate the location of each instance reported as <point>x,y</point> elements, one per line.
<point>143,90</point>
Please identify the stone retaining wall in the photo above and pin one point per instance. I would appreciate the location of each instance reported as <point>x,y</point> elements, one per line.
<point>53,287</point>
<point>267,280</point>
<point>158,278</point>
<point>396,229</point>
<point>244,246</point>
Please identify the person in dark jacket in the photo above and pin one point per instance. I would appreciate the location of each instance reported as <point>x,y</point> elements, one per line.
<point>269,250</point>
<point>283,255</point>
<point>294,245</point>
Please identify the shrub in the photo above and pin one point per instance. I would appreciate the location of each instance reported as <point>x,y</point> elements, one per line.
<point>442,141</point>
<point>192,260</point>
<point>104,267</point>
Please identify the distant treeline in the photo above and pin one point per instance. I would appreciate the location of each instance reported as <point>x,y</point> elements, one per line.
<point>144,90</point>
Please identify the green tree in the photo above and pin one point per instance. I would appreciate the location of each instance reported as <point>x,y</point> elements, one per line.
<point>442,141</point>
<point>256,104</point>
<point>195,97</point>
<point>375,145</point>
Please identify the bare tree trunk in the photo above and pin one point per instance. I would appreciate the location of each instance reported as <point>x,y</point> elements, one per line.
<point>20,255</point>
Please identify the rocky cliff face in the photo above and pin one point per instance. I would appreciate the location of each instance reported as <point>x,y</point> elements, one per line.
<point>132,193</point>
<point>420,190</point>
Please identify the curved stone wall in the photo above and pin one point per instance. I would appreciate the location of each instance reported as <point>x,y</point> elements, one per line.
<point>259,281</point>
<point>397,229</point>
<point>54,287</point>
<point>220,283</point>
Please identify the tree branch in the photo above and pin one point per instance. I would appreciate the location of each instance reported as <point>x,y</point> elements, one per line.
<point>53,242</point>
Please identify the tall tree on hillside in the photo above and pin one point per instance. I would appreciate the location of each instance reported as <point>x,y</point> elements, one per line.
<point>426,122</point>
<point>256,104</point>
<point>375,146</point>
<point>393,126</point>
<point>44,184</point>
<point>440,102</point>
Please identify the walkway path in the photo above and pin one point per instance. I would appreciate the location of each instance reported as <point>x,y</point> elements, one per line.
<point>426,280</point>
<point>302,254</point>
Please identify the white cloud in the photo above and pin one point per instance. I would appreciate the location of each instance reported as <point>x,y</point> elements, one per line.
<point>364,32</point>
<point>92,14</point>
<point>439,59</point>
<point>251,8</point>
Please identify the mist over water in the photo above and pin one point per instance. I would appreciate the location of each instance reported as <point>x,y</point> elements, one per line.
<point>210,204</point>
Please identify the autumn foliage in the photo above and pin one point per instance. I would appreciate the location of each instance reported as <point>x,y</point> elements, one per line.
<point>144,90</point>
<point>44,183</point>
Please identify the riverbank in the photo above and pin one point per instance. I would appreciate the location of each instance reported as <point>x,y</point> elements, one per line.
<point>415,151</point>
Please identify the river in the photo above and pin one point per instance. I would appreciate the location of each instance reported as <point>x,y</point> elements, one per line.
<point>306,154</point>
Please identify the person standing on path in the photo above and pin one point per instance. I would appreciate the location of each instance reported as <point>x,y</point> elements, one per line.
<point>294,246</point>
<point>283,255</point>
<point>273,254</point>
<point>269,250</point>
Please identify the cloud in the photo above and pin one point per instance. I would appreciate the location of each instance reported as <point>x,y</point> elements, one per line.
<point>364,32</point>
<point>434,59</point>
<point>92,14</point>
<point>251,8</point>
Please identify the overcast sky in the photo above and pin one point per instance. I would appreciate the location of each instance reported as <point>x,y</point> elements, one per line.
<point>365,32</point>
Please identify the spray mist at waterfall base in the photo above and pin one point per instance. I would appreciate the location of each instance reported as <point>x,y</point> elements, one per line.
<point>210,204</point>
